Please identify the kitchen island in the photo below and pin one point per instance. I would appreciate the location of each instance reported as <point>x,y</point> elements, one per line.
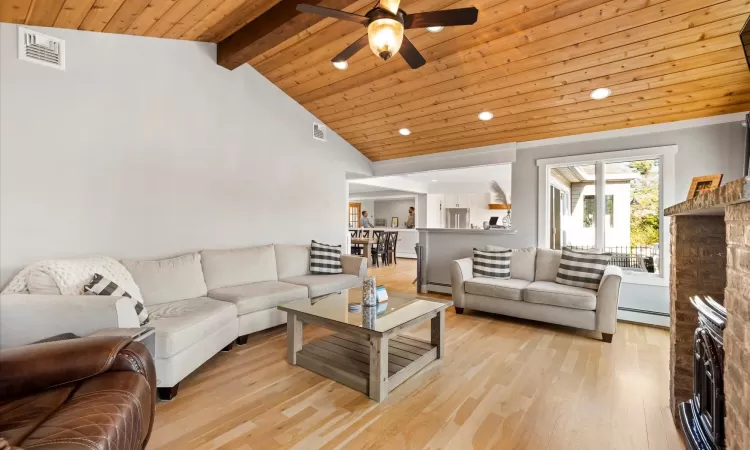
<point>407,240</point>
<point>442,246</point>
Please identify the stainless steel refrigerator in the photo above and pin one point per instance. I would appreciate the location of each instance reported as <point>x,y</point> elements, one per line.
<point>457,217</point>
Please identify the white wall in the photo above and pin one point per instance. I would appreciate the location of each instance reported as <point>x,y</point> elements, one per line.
<point>387,209</point>
<point>145,148</point>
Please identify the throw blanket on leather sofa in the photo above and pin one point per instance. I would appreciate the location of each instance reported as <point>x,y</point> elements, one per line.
<point>71,275</point>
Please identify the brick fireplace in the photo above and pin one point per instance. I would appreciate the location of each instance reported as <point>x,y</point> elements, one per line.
<point>710,253</point>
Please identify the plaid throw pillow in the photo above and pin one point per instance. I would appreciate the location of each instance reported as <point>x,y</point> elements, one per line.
<point>325,259</point>
<point>494,264</point>
<point>103,286</point>
<point>582,268</point>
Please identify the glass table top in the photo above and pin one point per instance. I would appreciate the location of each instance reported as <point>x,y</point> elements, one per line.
<point>399,309</point>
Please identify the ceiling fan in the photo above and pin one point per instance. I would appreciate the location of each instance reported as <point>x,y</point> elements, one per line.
<point>385,29</point>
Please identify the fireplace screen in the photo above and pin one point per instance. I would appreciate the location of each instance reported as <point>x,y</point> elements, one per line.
<point>702,418</point>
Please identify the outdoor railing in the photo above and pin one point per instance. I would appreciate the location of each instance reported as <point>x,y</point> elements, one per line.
<point>639,257</point>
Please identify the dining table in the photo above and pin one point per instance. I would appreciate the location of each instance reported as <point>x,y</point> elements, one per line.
<point>367,244</point>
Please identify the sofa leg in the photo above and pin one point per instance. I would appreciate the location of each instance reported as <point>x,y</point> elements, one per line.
<point>242,340</point>
<point>606,337</point>
<point>228,348</point>
<point>167,393</point>
<point>459,310</point>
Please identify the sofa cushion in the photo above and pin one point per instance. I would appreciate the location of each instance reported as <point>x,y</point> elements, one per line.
<point>551,293</point>
<point>582,269</point>
<point>325,284</point>
<point>183,323</point>
<point>522,261</point>
<point>494,264</point>
<point>325,259</point>
<point>292,260</point>
<point>259,296</point>
<point>547,262</point>
<point>169,280</point>
<point>235,267</point>
<point>509,289</point>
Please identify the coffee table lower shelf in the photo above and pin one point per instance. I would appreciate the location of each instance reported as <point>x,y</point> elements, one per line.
<point>346,359</point>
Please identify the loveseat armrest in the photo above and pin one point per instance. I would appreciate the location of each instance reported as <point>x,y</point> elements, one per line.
<point>607,300</point>
<point>461,270</point>
<point>354,265</point>
<point>27,318</point>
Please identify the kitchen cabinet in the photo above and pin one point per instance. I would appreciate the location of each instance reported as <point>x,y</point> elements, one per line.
<point>457,201</point>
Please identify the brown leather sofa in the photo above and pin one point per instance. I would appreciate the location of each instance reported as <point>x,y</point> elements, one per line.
<point>89,393</point>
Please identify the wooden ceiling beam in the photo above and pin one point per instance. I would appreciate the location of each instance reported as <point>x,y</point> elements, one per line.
<point>271,28</point>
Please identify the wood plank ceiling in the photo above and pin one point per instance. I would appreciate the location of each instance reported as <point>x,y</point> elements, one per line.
<point>533,63</point>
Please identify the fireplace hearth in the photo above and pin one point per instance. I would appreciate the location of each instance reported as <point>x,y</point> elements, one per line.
<point>702,417</point>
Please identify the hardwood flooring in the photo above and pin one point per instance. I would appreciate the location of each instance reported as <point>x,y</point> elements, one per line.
<point>504,383</point>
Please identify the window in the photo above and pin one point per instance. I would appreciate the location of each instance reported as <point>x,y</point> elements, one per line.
<point>616,204</point>
<point>589,210</point>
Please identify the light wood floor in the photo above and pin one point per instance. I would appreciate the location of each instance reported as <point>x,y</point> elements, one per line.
<point>504,383</point>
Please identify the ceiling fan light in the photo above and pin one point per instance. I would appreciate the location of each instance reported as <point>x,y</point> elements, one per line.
<point>341,65</point>
<point>436,29</point>
<point>385,37</point>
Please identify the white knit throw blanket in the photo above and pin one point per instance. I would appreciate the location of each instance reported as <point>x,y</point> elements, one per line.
<point>71,275</point>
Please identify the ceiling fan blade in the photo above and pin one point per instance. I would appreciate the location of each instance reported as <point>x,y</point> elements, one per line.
<point>328,12</point>
<point>445,18</point>
<point>390,5</point>
<point>349,51</point>
<point>411,54</point>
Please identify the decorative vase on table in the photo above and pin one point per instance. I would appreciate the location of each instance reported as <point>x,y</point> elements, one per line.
<point>369,292</point>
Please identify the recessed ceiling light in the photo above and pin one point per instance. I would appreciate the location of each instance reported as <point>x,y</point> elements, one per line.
<point>341,65</point>
<point>600,93</point>
<point>485,115</point>
<point>434,181</point>
<point>437,29</point>
<point>404,131</point>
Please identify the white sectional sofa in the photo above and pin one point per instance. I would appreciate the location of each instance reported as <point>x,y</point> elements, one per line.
<point>198,303</point>
<point>531,293</point>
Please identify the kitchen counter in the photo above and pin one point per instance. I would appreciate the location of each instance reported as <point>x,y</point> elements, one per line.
<point>493,231</point>
<point>442,246</point>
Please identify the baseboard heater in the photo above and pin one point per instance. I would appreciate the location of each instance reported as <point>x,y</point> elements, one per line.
<point>643,311</point>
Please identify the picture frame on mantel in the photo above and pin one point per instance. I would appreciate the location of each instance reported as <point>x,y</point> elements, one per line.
<point>394,222</point>
<point>703,184</point>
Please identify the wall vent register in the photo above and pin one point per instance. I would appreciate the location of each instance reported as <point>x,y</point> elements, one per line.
<point>319,131</point>
<point>40,48</point>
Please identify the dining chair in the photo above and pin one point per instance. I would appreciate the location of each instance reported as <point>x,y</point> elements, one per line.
<point>378,250</point>
<point>391,246</point>
<point>356,248</point>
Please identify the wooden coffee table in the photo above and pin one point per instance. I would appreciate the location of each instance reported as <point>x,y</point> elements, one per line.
<point>366,353</point>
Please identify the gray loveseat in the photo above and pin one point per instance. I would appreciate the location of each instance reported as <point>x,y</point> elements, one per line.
<point>531,293</point>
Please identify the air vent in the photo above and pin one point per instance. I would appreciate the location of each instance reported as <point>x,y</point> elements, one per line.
<point>39,48</point>
<point>319,131</point>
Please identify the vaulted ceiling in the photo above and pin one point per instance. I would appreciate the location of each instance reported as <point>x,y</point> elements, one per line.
<point>533,63</point>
